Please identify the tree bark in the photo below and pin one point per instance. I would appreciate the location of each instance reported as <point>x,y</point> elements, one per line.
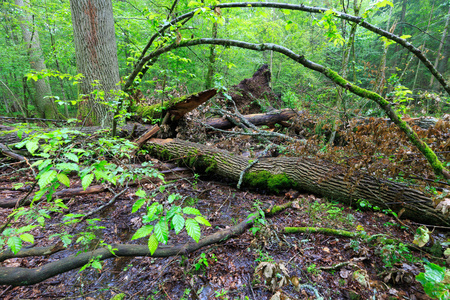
<point>44,102</point>
<point>270,118</point>
<point>312,175</point>
<point>441,44</point>
<point>96,56</point>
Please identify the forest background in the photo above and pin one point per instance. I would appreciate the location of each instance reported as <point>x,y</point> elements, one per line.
<point>42,57</point>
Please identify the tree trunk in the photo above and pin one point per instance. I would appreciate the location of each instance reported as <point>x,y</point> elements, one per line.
<point>44,102</point>
<point>319,177</point>
<point>212,60</point>
<point>441,44</point>
<point>96,55</point>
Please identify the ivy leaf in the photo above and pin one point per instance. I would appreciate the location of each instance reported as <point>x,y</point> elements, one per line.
<point>87,180</point>
<point>15,243</point>
<point>26,237</point>
<point>191,211</point>
<point>46,178</point>
<point>178,223</point>
<point>63,179</point>
<point>193,229</point>
<point>202,220</point>
<point>142,232</point>
<point>152,244</point>
<point>162,231</point>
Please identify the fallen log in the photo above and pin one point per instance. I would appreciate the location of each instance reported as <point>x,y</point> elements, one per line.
<point>312,175</point>
<point>176,107</point>
<point>269,118</point>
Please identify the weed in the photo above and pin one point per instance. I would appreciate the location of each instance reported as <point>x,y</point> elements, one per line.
<point>312,269</point>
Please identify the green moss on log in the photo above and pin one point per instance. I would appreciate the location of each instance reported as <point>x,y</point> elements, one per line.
<point>155,111</point>
<point>266,180</point>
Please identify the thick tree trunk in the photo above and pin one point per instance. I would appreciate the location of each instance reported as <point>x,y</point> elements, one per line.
<point>43,98</point>
<point>307,174</point>
<point>96,54</point>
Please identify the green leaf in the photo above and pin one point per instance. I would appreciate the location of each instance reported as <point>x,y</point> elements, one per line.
<point>173,197</point>
<point>202,220</point>
<point>26,237</point>
<point>142,232</point>
<point>15,243</point>
<point>63,179</point>
<point>152,244</point>
<point>193,229</point>
<point>87,180</point>
<point>46,178</point>
<point>71,156</point>
<point>178,223</point>
<point>26,228</point>
<point>138,204</point>
<point>191,211</point>
<point>162,231</point>
<point>67,167</point>
<point>97,265</point>
<point>32,146</point>
<point>141,193</point>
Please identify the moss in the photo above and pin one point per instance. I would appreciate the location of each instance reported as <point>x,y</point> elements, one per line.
<point>266,180</point>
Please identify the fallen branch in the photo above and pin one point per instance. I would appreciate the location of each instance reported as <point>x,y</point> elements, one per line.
<point>24,276</point>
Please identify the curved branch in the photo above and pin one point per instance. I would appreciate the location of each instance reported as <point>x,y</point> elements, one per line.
<point>433,160</point>
<point>24,276</point>
<point>358,20</point>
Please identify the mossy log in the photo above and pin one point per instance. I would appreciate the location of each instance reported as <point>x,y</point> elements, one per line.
<point>176,107</point>
<point>308,174</point>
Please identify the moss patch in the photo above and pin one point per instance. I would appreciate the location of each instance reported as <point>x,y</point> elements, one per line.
<point>268,181</point>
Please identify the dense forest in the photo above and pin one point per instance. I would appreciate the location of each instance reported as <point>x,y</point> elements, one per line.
<point>213,149</point>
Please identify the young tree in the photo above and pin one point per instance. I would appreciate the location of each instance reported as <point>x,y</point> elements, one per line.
<point>30,35</point>
<point>96,56</point>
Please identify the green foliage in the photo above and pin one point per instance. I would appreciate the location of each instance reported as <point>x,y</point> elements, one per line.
<point>160,219</point>
<point>62,153</point>
<point>394,253</point>
<point>259,218</point>
<point>435,281</point>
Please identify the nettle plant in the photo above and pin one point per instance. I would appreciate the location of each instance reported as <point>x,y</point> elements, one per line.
<point>161,218</point>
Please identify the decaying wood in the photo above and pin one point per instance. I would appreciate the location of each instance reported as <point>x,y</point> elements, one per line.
<point>176,107</point>
<point>269,118</point>
<point>146,136</point>
<point>312,175</point>
<point>7,152</point>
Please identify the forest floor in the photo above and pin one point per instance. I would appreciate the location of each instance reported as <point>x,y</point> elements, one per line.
<point>354,269</point>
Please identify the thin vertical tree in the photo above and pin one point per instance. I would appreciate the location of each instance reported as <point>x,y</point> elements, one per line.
<point>43,96</point>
